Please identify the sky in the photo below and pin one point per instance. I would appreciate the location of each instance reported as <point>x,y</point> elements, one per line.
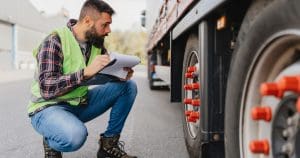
<point>128,12</point>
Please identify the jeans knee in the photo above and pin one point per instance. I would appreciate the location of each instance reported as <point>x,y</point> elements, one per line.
<point>131,87</point>
<point>75,139</point>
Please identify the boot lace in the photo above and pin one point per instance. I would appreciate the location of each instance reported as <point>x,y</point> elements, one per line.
<point>51,153</point>
<point>118,149</point>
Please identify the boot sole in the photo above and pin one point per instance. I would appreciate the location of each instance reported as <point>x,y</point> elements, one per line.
<point>103,155</point>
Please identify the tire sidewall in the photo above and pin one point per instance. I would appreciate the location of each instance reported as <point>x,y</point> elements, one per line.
<point>277,16</point>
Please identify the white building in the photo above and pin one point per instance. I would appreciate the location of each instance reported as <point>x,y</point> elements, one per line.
<point>22,28</point>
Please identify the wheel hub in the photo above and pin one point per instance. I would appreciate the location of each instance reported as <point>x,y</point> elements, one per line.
<point>272,130</point>
<point>285,128</point>
<point>192,95</point>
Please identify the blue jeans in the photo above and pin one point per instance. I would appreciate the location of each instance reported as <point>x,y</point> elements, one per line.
<point>62,126</point>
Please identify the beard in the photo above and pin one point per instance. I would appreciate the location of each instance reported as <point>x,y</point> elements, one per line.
<point>96,39</point>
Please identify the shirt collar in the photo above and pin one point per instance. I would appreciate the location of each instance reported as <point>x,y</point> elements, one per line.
<point>71,23</point>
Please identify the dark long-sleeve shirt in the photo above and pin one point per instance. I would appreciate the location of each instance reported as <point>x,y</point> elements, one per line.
<point>52,81</point>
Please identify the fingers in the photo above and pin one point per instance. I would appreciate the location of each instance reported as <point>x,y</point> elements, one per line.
<point>129,75</point>
<point>128,69</point>
<point>130,72</point>
<point>98,63</point>
<point>102,60</point>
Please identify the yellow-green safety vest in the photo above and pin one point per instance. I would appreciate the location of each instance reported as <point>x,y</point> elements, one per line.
<point>73,62</point>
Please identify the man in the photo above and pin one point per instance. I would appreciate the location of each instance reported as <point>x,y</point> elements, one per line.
<point>59,105</point>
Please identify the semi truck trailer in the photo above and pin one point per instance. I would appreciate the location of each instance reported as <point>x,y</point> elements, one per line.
<point>234,66</point>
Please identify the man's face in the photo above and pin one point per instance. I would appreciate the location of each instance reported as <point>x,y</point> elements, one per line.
<point>100,29</point>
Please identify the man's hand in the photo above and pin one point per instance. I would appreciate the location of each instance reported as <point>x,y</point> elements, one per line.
<point>97,64</point>
<point>129,74</point>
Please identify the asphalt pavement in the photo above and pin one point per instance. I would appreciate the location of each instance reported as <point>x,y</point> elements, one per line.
<point>153,128</point>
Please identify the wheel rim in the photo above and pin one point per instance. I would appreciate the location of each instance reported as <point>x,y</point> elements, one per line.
<point>277,58</point>
<point>193,125</point>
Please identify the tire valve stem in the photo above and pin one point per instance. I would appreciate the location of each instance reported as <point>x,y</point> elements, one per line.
<point>194,116</point>
<point>290,83</point>
<point>260,147</point>
<point>187,101</point>
<point>188,113</point>
<point>196,102</point>
<point>190,75</point>
<point>262,113</point>
<point>192,69</point>
<point>273,89</point>
<point>193,102</point>
<point>193,86</point>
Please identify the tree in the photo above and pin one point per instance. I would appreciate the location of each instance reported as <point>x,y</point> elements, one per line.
<point>127,42</point>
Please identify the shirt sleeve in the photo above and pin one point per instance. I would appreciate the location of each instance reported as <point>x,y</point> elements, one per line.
<point>52,81</point>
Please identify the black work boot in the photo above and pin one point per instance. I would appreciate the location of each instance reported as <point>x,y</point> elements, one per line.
<point>49,152</point>
<point>111,147</point>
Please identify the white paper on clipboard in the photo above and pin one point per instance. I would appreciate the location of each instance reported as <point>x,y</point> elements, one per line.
<point>121,61</point>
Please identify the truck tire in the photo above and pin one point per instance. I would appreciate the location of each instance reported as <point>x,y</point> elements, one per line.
<point>268,51</point>
<point>191,127</point>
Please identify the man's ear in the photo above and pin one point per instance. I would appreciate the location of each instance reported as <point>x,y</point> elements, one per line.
<point>88,21</point>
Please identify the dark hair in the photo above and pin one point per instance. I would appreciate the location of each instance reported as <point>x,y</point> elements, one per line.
<point>97,5</point>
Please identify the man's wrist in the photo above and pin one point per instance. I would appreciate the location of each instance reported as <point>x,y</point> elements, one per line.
<point>86,74</point>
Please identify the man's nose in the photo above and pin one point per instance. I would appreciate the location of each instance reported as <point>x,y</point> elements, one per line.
<point>107,30</point>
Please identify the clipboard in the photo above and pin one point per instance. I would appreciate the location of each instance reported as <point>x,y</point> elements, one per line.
<point>114,70</point>
<point>109,64</point>
<point>99,79</point>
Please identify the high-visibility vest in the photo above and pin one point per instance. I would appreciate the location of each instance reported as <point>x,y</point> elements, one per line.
<point>73,62</point>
